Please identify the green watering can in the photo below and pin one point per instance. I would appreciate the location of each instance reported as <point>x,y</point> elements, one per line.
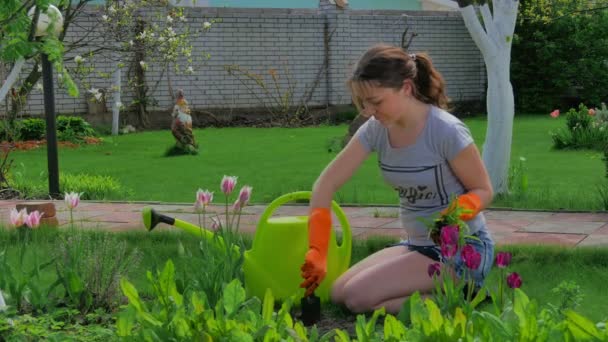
<point>278,251</point>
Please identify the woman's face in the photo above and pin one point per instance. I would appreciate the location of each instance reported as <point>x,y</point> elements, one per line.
<point>385,104</point>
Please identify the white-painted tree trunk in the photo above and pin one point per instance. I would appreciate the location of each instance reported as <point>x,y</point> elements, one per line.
<point>494,41</point>
<point>2,302</point>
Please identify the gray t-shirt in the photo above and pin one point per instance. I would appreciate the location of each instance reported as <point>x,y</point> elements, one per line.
<point>420,172</point>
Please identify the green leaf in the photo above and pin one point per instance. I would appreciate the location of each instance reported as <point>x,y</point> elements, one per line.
<point>131,293</point>
<point>125,322</point>
<point>417,310</point>
<point>198,305</point>
<point>494,325</point>
<point>580,326</point>
<point>481,295</point>
<point>393,328</point>
<point>234,295</point>
<point>360,328</point>
<point>268,306</point>
<point>520,303</point>
<point>300,331</point>
<point>342,336</point>
<point>435,317</point>
<point>405,313</point>
<point>459,322</point>
<point>371,325</point>
<point>75,284</point>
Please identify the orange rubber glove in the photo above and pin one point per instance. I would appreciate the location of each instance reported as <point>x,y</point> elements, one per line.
<point>315,263</point>
<point>470,202</point>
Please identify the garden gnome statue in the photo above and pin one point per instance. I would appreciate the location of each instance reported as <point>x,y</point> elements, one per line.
<point>181,127</point>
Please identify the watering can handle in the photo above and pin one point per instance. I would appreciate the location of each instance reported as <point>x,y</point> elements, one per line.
<point>293,196</point>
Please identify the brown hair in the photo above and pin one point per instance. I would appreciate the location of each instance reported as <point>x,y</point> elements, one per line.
<point>389,66</point>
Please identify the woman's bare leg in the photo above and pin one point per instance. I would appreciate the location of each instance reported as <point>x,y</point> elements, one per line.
<point>387,282</point>
<point>337,291</point>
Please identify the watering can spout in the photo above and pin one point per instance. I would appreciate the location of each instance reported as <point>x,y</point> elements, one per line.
<point>151,218</point>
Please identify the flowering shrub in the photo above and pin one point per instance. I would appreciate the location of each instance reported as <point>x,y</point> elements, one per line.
<point>586,128</point>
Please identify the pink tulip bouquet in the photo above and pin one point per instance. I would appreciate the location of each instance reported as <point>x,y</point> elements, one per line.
<point>449,232</point>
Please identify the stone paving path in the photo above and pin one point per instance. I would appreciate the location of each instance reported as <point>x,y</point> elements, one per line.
<point>507,227</point>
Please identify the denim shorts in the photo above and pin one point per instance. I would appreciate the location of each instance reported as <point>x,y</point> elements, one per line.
<point>484,246</point>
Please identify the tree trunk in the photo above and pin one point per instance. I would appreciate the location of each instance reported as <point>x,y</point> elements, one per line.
<point>499,132</point>
<point>494,41</point>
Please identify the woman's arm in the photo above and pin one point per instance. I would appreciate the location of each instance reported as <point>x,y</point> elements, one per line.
<point>338,172</point>
<point>469,169</point>
<point>319,221</point>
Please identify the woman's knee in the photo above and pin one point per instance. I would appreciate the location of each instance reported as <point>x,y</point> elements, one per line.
<point>337,290</point>
<point>355,299</point>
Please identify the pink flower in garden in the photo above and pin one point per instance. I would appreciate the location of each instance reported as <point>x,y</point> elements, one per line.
<point>449,241</point>
<point>245,195</point>
<point>503,259</point>
<point>434,269</point>
<point>591,111</point>
<point>33,219</point>
<point>198,206</point>
<point>471,257</point>
<point>449,235</point>
<point>555,113</point>
<point>237,206</point>
<point>228,184</point>
<point>72,199</point>
<point>514,280</point>
<point>18,218</point>
<point>204,197</point>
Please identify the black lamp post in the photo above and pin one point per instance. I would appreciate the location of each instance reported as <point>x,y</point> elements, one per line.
<point>52,17</point>
<point>51,132</point>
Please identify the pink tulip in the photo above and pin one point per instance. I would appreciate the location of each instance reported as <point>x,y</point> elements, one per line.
<point>471,257</point>
<point>503,259</point>
<point>33,219</point>
<point>18,218</point>
<point>514,280</point>
<point>449,241</point>
<point>245,195</point>
<point>204,197</point>
<point>449,235</point>
<point>591,111</point>
<point>198,206</point>
<point>555,113</point>
<point>228,184</point>
<point>72,199</point>
<point>237,206</point>
<point>448,251</point>
<point>434,269</point>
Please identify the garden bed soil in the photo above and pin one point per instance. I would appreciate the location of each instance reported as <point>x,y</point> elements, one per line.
<point>33,144</point>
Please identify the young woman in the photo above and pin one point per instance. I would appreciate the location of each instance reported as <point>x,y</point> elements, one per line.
<point>427,155</point>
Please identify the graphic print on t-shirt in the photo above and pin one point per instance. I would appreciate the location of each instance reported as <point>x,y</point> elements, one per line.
<point>419,187</point>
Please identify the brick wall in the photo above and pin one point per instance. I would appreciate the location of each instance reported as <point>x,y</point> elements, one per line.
<point>290,39</point>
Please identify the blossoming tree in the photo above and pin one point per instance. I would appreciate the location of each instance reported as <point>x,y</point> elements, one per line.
<point>143,31</point>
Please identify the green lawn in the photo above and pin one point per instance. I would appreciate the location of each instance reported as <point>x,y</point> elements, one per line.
<point>275,161</point>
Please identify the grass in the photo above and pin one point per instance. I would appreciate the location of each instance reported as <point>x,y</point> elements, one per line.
<point>542,268</point>
<point>276,161</point>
